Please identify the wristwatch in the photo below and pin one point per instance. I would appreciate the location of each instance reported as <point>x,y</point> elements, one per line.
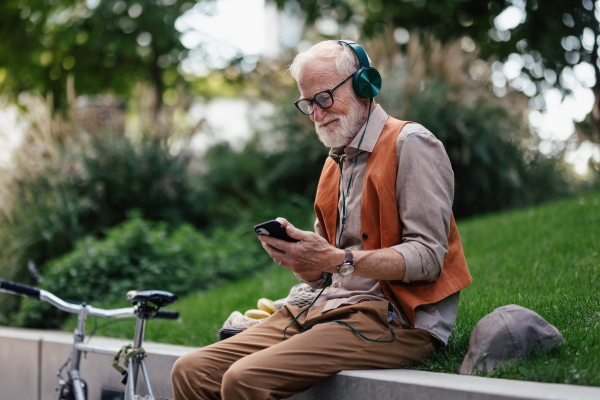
<point>348,266</point>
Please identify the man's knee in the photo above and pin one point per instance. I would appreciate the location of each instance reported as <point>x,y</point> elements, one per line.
<point>191,377</point>
<point>233,375</point>
<point>237,379</point>
<point>182,367</point>
<point>199,363</point>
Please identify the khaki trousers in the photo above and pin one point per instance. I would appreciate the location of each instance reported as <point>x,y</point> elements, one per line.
<point>258,364</point>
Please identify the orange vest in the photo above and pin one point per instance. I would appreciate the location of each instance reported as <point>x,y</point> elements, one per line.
<point>381,225</point>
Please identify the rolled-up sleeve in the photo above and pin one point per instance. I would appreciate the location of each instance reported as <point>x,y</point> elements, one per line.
<point>424,194</point>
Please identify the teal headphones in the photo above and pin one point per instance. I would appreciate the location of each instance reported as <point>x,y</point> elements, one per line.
<point>366,81</point>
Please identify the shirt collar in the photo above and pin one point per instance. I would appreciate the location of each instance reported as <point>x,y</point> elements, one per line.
<point>377,120</point>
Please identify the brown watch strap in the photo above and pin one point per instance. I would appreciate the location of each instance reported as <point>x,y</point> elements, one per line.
<point>349,257</point>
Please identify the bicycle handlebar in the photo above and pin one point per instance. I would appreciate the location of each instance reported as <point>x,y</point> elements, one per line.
<point>20,289</point>
<point>42,295</point>
<point>166,314</point>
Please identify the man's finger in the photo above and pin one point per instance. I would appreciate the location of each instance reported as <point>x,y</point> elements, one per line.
<point>296,233</point>
<point>273,251</point>
<point>279,244</point>
<point>282,221</point>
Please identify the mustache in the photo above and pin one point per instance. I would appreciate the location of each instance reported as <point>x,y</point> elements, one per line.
<point>328,118</point>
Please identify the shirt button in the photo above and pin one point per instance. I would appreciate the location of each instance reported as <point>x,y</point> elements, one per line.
<point>365,236</point>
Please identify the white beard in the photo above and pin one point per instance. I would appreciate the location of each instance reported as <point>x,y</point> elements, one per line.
<point>342,132</point>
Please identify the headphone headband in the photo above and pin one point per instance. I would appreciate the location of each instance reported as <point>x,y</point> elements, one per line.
<point>360,53</point>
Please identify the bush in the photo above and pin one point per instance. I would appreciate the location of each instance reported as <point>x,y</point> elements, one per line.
<point>144,255</point>
<point>493,153</point>
<point>75,177</point>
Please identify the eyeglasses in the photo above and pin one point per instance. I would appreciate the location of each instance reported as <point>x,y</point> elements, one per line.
<point>323,99</point>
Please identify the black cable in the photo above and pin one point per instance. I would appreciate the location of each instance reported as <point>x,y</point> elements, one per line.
<point>93,330</point>
<point>336,320</point>
<point>59,373</point>
<point>355,331</point>
<point>97,328</point>
<point>306,309</point>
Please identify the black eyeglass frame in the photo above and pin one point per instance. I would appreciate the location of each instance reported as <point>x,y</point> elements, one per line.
<point>314,100</point>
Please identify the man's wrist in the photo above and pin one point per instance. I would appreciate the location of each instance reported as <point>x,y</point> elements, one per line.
<point>338,257</point>
<point>310,276</point>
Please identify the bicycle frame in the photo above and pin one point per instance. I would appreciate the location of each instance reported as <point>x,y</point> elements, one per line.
<point>84,311</point>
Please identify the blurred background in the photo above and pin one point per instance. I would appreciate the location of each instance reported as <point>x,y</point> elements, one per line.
<point>152,135</point>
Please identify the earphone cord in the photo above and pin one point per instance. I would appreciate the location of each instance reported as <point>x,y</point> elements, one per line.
<point>344,195</point>
<point>306,309</point>
<point>335,320</point>
<point>339,246</point>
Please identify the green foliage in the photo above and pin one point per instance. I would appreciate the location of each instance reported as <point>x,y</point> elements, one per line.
<point>486,137</point>
<point>491,170</point>
<point>553,36</point>
<point>89,190</point>
<point>443,19</point>
<point>542,34</point>
<point>544,258</point>
<point>142,255</point>
<point>266,179</point>
<point>107,48</point>
<point>121,174</point>
<point>68,183</point>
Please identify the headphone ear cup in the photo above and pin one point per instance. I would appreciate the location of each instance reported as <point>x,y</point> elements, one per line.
<point>367,82</point>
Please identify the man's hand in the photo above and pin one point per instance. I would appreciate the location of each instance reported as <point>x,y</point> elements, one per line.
<point>313,255</point>
<point>309,257</point>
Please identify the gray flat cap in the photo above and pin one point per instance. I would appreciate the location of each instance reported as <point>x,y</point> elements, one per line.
<point>508,333</point>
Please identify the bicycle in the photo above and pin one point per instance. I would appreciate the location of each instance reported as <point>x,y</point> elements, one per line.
<point>74,387</point>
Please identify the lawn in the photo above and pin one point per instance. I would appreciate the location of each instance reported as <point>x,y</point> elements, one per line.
<point>544,258</point>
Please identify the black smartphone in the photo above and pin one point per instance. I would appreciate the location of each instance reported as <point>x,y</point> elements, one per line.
<point>274,229</point>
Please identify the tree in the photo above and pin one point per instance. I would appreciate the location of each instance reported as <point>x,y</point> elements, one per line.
<point>552,35</point>
<point>108,45</point>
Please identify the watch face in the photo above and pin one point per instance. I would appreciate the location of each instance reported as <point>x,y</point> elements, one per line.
<point>346,269</point>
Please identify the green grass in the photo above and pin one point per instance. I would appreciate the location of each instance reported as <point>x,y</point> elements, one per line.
<point>544,258</point>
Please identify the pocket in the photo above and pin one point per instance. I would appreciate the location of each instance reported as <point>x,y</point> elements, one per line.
<point>396,322</point>
<point>429,340</point>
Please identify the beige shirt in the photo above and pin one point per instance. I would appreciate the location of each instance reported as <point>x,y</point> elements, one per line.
<point>424,194</point>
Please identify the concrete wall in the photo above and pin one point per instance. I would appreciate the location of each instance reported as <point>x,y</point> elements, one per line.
<point>29,360</point>
<point>19,363</point>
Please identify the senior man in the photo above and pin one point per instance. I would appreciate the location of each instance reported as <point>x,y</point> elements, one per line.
<point>384,237</point>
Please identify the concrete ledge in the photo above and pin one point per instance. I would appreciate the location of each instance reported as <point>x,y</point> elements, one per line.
<point>420,385</point>
<point>29,360</point>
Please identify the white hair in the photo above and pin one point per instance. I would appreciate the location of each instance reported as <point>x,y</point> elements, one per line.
<point>346,61</point>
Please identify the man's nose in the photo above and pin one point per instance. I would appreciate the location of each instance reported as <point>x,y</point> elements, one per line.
<point>319,114</point>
